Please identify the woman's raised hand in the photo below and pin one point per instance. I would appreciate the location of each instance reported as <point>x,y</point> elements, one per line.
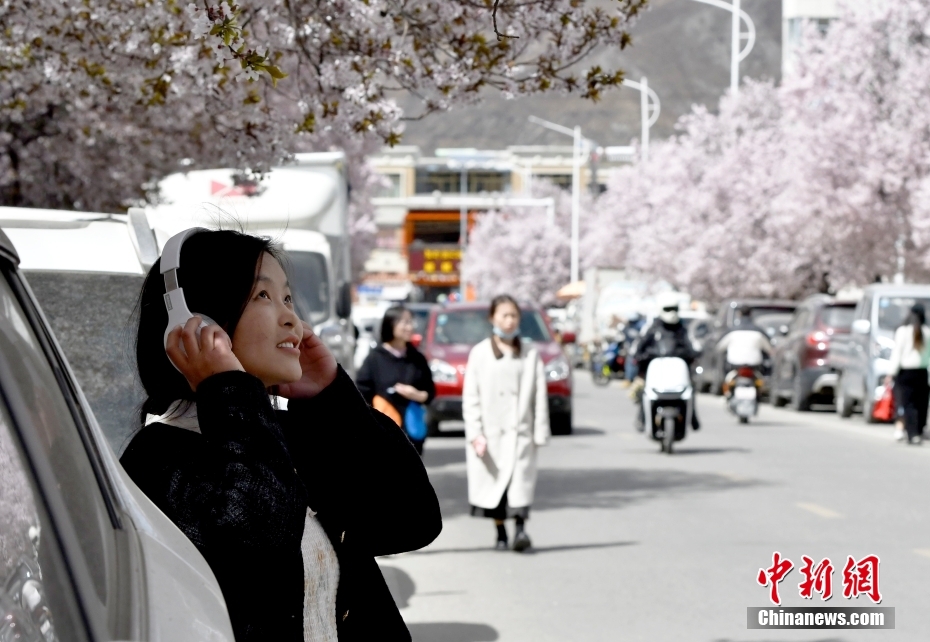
<point>318,365</point>
<point>198,359</point>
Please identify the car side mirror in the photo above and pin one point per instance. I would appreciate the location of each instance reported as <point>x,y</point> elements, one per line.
<point>861,326</point>
<point>783,330</point>
<point>416,339</point>
<point>344,301</point>
<point>568,337</point>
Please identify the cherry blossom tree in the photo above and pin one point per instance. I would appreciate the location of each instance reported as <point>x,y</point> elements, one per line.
<point>518,251</point>
<point>819,183</point>
<point>99,99</point>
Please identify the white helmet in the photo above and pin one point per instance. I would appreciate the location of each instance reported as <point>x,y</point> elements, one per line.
<point>668,303</point>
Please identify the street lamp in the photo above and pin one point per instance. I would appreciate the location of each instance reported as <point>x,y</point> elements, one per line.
<point>647,119</point>
<point>736,55</point>
<point>575,133</point>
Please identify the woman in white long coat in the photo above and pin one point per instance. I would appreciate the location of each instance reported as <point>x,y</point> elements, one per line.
<point>505,406</point>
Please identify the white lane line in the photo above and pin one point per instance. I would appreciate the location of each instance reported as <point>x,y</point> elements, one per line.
<point>819,510</point>
<point>923,552</point>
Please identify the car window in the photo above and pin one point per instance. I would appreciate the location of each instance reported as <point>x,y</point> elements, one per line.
<point>420,318</point>
<point>799,320</point>
<point>469,327</point>
<point>770,323</point>
<point>893,311</point>
<point>838,317</point>
<point>97,341</point>
<point>47,413</point>
<point>309,284</point>
<point>37,602</point>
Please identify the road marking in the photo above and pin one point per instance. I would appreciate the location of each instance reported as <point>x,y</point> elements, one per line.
<point>923,552</point>
<point>818,510</point>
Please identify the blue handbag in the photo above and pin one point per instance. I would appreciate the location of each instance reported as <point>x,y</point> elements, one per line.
<point>415,421</point>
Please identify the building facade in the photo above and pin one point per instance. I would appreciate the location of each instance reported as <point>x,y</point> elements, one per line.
<point>430,201</point>
<point>796,14</point>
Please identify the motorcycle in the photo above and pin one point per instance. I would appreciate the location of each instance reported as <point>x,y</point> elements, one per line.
<point>668,400</point>
<point>608,364</point>
<point>741,388</point>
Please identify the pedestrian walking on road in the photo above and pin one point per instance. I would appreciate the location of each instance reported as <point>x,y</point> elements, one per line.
<point>505,407</point>
<point>909,361</point>
<point>396,373</point>
<point>288,507</point>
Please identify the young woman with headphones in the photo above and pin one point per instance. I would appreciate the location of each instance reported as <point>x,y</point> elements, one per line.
<point>289,508</point>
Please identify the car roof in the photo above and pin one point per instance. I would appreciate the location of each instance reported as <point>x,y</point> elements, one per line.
<point>63,241</point>
<point>763,303</point>
<point>482,305</point>
<point>905,289</point>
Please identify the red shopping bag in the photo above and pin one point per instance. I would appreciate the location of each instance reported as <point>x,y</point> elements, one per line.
<point>883,410</point>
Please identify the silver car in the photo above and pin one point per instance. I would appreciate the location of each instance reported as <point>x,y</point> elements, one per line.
<point>84,555</point>
<point>863,357</point>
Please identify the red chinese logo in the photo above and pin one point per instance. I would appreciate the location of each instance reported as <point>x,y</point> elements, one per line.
<point>861,578</point>
<point>774,574</point>
<point>819,579</point>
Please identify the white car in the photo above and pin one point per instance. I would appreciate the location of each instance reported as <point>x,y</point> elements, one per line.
<point>84,554</point>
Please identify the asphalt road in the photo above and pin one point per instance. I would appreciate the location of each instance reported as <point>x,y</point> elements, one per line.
<point>631,544</point>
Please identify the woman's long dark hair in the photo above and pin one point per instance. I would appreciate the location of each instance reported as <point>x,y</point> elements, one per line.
<point>496,302</point>
<point>917,318</point>
<point>391,316</point>
<point>218,271</point>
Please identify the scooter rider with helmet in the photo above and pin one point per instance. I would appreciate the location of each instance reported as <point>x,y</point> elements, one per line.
<point>666,336</point>
<point>745,345</point>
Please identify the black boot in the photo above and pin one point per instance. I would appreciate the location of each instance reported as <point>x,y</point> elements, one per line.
<point>521,541</point>
<point>502,544</point>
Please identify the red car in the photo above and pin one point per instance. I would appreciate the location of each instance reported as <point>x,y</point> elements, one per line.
<point>452,332</point>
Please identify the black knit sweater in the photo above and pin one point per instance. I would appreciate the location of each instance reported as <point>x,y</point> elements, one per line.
<point>240,489</point>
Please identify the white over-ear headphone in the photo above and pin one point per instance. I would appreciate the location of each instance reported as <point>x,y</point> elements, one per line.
<point>178,312</point>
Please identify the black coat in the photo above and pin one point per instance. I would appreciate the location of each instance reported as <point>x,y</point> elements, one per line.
<point>382,370</point>
<point>663,340</point>
<point>240,489</point>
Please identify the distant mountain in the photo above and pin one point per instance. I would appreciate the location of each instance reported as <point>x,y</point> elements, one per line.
<point>681,46</point>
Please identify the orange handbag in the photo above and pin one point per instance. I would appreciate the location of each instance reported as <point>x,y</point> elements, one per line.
<point>381,404</point>
<point>883,410</point>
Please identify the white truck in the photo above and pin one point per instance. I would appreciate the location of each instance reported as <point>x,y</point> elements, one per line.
<point>304,206</point>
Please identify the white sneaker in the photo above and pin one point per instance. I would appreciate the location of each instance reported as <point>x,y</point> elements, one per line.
<point>899,434</point>
<point>916,440</point>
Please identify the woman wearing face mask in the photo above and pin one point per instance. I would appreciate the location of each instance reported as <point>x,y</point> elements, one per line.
<point>396,371</point>
<point>289,508</point>
<point>506,412</point>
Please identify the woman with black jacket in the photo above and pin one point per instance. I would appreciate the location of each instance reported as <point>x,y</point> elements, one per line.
<point>395,370</point>
<point>289,508</point>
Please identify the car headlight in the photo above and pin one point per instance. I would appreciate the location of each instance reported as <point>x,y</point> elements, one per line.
<point>443,371</point>
<point>558,369</point>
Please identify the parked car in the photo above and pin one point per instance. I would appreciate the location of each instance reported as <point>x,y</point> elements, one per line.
<point>420,312</point>
<point>801,371</point>
<point>85,555</point>
<point>452,332</point>
<point>768,315</point>
<point>862,357</point>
